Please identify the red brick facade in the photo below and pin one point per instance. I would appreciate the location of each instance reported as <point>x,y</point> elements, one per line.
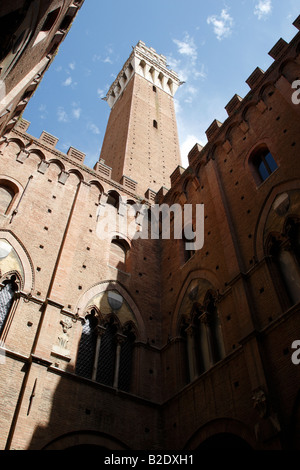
<point>205,338</point>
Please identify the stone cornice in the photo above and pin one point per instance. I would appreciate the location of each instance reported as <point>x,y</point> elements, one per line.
<point>147,63</point>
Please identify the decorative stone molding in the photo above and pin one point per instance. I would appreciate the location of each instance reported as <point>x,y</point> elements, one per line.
<point>22,156</point>
<point>150,65</point>
<point>43,167</point>
<point>61,348</point>
<point>63,177</point>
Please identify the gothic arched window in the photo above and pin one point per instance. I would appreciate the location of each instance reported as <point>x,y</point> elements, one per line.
<point>204,338</point>
<point>7,293</point>
<point>105,352</point>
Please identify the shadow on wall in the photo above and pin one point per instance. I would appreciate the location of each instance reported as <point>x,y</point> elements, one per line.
<point>88,409</point>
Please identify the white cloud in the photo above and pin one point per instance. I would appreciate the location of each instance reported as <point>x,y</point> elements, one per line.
<point>76,112</point>
<point>222,24</point>
<point>72,66</point>
<point>186,47</point>
<point>186,65</point>
<point>43,111</point>
<point>108,60</point>
<point>201,73</point>
<point>62,115</point>
<point>263,8</point>
<point>101,92</point>
<point>68,81</point>
<point>177,106</point>
<point>173,63</point>
<point>190,70</point>
<point>93,128</point>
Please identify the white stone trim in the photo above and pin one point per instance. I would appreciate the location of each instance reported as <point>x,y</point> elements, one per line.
<point>147,63</point>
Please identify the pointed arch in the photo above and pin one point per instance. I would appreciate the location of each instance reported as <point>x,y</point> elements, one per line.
<point>107,286</point>
<point>259,232</point>
<point>26,265</point>
<point>106,346</point>
<point>205,274</point>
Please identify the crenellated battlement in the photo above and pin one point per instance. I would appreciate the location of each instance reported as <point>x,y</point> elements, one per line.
<point>147,63</point>
<point>279,76</point>
<point>254,81</point>
<point>46,143</point>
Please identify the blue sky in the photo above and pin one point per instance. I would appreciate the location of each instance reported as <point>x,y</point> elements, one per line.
<point>213,45</point>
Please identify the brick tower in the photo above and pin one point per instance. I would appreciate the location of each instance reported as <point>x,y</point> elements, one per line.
<point>141,139</point>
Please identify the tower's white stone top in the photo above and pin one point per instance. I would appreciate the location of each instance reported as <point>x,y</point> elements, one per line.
<point>147,63</point>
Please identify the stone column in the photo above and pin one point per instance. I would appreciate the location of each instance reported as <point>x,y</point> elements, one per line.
<point>120,340</point>
<point>100,332</point>
<point>290,271</point>
<point>190,331</point>
<point>206,342</point>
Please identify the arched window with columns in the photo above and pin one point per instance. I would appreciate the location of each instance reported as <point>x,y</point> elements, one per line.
<point>105,351</point>
<point>284,252</point>
<point>203,335</point>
